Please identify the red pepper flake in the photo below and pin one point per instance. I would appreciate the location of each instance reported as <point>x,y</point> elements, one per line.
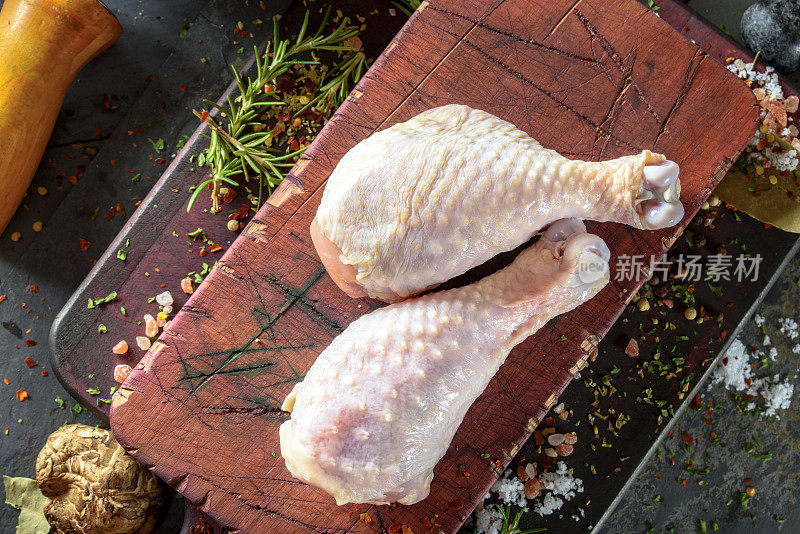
<point>22,395</point>
<point>671,462</point>
<point>44,373</point>
<point>30,362</point>
<point>30,342</point>
<point>203,251</point>
<point>98,133</point>
<point>84,244</point>
<point>34,288</point>
<point>686,438</point>
<point>113,162</point>
<point>6,381</point>
<point>725,360</point>
<point>183,87</point>
<point>159,161</point>
<point>215,248</point>
<point>106,103</point>
<point>2,298</point>
<point>748,480</point>
<point>696,402</point>
<point>365,518</point>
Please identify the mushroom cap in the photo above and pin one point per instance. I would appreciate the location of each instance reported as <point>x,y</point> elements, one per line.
<point>94,486</point>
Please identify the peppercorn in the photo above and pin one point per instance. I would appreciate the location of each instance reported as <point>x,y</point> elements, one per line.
<point>700,240</point>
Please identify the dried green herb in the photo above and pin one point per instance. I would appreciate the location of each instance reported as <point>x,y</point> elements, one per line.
<point>243,146</point>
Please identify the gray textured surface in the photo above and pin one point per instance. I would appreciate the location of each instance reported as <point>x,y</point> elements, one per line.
<point>53,260</point>
<point>777,488</point>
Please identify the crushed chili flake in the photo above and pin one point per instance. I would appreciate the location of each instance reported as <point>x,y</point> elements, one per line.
<point>215,248</point>
<point>30,342</point>
<point>30,362</point>
<point>686,438</point>
<point>365,517</point>
<point>84,244</point>
<point>2,298</point>
<point>6,381</point>
<point>34,288</point>
<point>22,395</point>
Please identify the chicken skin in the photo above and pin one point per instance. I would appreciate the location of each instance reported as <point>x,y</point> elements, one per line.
<point>424,201</point>
<point>379,407</point>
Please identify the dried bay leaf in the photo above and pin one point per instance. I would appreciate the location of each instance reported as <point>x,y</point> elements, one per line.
<point>773,206</point>
<point>24,495</point>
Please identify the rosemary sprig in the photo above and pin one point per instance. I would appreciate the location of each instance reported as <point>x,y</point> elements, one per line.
<point>511,526</point>
<point>243,146</point>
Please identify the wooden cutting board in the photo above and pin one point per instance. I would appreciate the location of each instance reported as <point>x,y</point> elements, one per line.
<point>593,79</point>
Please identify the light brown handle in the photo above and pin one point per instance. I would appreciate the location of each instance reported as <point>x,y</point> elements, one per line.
<point>43,46</point>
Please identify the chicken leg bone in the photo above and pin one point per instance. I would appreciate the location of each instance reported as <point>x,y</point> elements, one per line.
<point>381,404</point>
<point>426,200</point>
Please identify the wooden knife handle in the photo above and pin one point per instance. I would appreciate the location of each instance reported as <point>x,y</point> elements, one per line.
<point>43,46</point>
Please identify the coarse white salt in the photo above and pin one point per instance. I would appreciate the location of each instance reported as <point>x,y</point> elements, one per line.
<point>548,505</point>
<point>510,490</point>
<point>738,375</point>
<point>164,299</point>
<point>777,395</point>
<point>734,372</point>
<point>563,487</point>
<point>796,349</point>
<point>488,521</point>
<point>758,319</point>
<point>789,327</point>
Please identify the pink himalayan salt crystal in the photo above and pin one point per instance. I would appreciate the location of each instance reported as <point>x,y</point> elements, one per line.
<point>121,372</point>
<point>150,326</point>
<point>120,348</point>
<point>143,342</point>
<point>186,286</point>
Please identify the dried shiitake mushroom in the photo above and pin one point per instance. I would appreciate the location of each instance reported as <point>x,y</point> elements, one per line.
<point>94,486</point>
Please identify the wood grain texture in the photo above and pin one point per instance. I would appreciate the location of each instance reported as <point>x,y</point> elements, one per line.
<point>592,80</point>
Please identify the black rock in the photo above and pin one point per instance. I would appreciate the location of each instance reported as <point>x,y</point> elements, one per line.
<point>772,27</point>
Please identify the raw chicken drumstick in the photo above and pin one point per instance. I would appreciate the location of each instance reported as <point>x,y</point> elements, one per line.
<point>379,407</point>
<point>424,201</point>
